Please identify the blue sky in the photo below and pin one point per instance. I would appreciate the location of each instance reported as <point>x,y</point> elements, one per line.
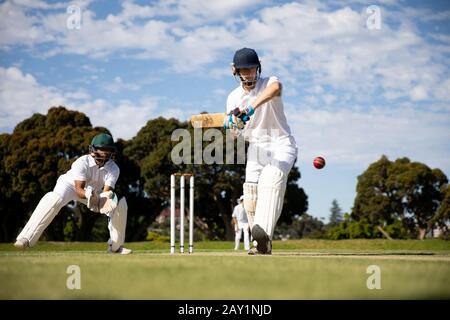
<point>352,93</point>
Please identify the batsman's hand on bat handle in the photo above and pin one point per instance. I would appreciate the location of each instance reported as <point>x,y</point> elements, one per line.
<point>244,113</point>
<point>232,122</point>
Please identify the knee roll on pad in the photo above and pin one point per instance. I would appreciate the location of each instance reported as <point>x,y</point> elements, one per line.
<point>250,196</point>
<point>250,200</point>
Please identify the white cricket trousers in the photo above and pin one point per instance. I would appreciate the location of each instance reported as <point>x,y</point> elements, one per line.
<point>268,166</point>
<point>279,152</point>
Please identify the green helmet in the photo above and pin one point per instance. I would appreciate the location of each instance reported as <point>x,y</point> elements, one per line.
<point>103,142</point>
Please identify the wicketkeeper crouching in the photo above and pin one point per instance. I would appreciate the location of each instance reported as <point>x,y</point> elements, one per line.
<point>90,180</point>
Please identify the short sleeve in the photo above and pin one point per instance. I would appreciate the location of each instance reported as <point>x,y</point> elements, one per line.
<point>79,170</point>
<point>272,79</point>
<point>112,176</point>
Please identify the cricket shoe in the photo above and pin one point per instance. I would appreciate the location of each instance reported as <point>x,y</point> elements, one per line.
<point>254,251</point>
<point>22,243</point>
<point>121,250</point>
<point>262,243</point>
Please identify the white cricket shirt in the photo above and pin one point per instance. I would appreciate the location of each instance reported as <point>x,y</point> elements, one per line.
<point>85,169</point>
<point>268,120</point>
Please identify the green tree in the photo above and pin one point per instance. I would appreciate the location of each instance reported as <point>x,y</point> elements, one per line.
<point>335,214</point>
<point>148,154</point>
<point>401,190</point>
<point>303,226</point>
<point>442,217</point>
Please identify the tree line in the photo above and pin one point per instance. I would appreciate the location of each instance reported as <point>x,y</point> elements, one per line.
<point>396,199</point>
<point>43,147</point>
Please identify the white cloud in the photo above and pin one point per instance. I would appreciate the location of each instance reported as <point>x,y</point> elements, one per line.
<point>419,93</point>
<point>38,4</point>
<point>118,85</point>
<point>18,28</point>
<point>355,137</point>
<point>21,96</point>
<point>197,12</point>
<point>333,47</point>
<point>442,91</point>
<point>124,119</point>
<point>220,92</point>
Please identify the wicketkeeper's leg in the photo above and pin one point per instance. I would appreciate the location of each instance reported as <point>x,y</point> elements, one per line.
<point>117,223</point>
<point>49,206</point>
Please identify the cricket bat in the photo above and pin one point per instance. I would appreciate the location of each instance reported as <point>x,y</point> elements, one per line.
<point>208,120</point>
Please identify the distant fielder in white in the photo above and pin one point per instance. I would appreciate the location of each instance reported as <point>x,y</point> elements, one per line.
<point>256,110</point>
<point>240,223</point>
<point>90,180</point>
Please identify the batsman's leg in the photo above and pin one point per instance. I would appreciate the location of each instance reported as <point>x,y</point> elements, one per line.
<point>117,225</point>
<point>49,206</point>
<point>271,189</point>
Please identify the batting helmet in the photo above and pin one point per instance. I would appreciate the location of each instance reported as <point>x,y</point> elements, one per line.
<point>246,58</point>
<point>103,142</point>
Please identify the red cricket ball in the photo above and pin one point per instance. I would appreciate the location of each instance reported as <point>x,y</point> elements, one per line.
<point>319,162</point>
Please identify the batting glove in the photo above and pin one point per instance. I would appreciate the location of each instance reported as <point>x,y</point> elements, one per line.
<point>233,122</point>
<point>244,113</point>
<point>248,110</point>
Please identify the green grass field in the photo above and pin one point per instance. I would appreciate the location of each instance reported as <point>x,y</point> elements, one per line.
<point>302,269</point>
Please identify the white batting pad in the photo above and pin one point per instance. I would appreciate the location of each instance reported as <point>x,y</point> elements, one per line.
<point>271,189</point>
<point>117,224</point>
<point>43,214</point>
<point>250,199</point>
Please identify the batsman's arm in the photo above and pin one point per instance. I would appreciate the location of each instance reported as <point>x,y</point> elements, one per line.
<point>79,188</point>
<point>270,92</point>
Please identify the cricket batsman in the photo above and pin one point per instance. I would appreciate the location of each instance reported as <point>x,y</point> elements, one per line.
<point>255,109</point>
<point>91,181</point>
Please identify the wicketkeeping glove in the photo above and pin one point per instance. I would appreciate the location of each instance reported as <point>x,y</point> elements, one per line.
<point>108,202</point>
<point>92,199</point>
